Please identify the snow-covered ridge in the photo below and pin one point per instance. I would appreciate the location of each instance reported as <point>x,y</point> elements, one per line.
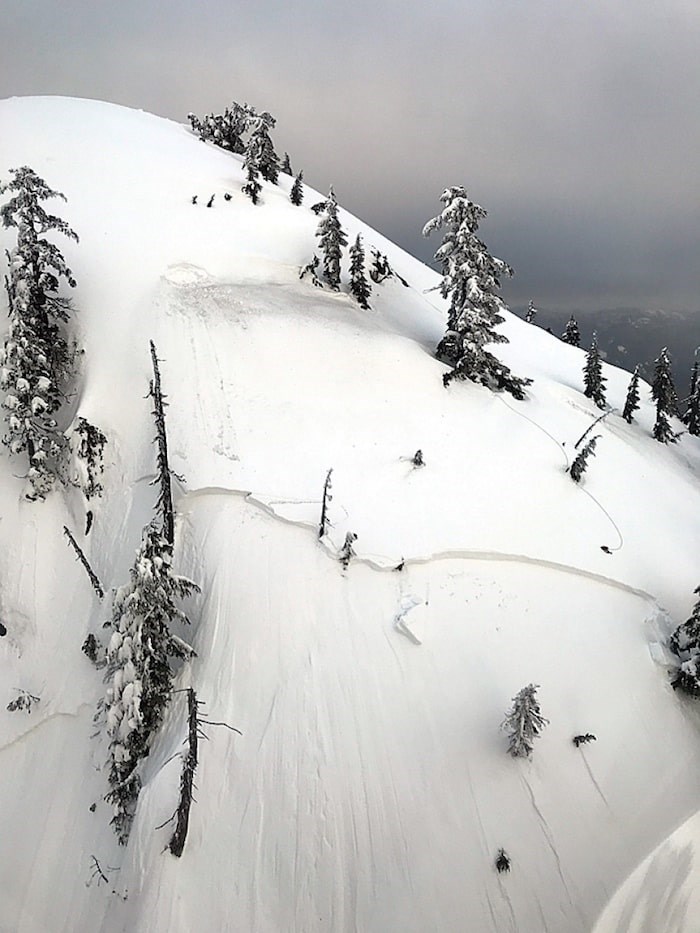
<point>371,789</point>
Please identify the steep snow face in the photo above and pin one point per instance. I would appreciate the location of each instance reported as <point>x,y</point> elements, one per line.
<point>370,788</point>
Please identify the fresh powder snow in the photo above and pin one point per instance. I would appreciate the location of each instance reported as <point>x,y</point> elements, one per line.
<point>370,788</point>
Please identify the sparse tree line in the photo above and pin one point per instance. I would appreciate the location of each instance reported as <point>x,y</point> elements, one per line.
<point>39,376</point>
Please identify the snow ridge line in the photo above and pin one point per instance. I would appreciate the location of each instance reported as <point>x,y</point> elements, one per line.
<point>390,564</point>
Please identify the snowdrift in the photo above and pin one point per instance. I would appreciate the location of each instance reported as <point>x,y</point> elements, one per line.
<point>370,788</point>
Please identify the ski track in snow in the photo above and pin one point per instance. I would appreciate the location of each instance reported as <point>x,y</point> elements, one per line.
<point>595,783</point>
<point>547,833</point>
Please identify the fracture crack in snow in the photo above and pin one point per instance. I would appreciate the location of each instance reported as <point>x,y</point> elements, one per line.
<point>388,564</point>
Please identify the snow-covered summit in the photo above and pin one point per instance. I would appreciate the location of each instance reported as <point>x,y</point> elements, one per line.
<point>371,788</point>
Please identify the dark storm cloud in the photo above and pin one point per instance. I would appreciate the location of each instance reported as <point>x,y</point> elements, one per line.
<point>574,123</point>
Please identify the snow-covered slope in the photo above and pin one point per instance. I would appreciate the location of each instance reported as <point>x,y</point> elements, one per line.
<point>370,789</point>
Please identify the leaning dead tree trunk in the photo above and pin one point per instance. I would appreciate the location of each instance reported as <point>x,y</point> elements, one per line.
<point>194,733</point>
<point>589,429</point>
<point>165,498</point>
<point>96,585</point>
<point>323,524</point>
<point>177,840</point>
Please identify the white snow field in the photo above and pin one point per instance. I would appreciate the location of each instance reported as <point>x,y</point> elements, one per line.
<point>371,787</point>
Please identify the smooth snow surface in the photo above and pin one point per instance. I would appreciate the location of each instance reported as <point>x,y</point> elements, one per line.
<point>371,789</point>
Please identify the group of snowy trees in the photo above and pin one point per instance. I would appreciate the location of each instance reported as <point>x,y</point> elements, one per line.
<point>37,374</point>
<point>243,130</point>
<point>143,645</point>
<point>38,356</point>
<point>332,239</point>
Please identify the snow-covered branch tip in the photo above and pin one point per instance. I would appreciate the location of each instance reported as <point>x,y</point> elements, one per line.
<point>96,585</point>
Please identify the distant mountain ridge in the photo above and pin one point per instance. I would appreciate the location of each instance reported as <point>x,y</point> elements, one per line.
<point>628,337</point>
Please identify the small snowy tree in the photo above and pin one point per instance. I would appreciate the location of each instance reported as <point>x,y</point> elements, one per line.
<point>286,165</point>
<point>571,333</point>
<point>381,269</point>
<point>593,378</point>
<point>685,643</point>
<point>311,269</point>
<point>260,145</point>
<point>524,722</point>
<point>89,445</point>
<point>663,391</point>
<point>662,430</point>
<point>139,671</point>
<point>359,286</point>
<point>692,415</point>
<point>331,240</point>
<point>471,279</point>
<point>37,360</point>
<point>252,186</point>
<point>578,467</point>
<point>632,400</point>
<point>296,195</point>
<point>531,313</point>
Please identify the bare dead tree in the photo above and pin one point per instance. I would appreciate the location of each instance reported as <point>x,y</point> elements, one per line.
<point>194,734</point>
<point>589,429</point>
<point>177,840</point>
<point>327,497</point>
<point>100,874</point>
<point>96,585</point>
<point>165,497</point>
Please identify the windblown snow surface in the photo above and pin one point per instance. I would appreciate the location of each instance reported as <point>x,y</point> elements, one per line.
<point>371,788</point>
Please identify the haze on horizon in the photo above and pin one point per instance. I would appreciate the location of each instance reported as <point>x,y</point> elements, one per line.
<point>574,124</point>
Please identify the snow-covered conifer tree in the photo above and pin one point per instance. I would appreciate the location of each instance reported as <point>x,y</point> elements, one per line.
<point>692,415</point>
<point>571,333</point>
<point>685,643</point>
<point>139,672</point>
<point>664,394</point>
<point>524,722</point>
<point>662,430</point>
<point>359,286</point>
<point>38,357</point>
<point>578,467</point>
<point>593,378</point>
<point>252,187</point>
<point>471,280</point>
<point>531,313</point>
<point>663,391</point>
<point>286,165</point>
<point>89,449</point>
<point>263,152</point>
<point>632,400</point>
<point>225,130</point>
<point>296,195</point>
<point>331,240</point>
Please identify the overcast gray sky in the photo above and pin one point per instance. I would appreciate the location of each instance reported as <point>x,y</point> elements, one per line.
<point>575,123</point>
